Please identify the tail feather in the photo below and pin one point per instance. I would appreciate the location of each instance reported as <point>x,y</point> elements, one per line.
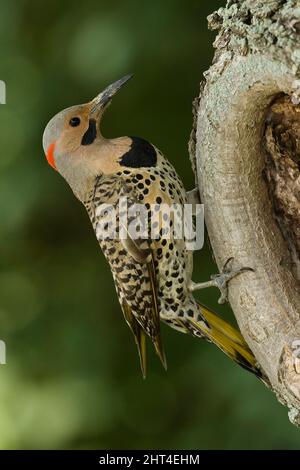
<point>139,336</point>
<point>227,338</point>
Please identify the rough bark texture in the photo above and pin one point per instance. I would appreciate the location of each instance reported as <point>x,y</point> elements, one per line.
<point>245,153</point>
<point>282,171</point>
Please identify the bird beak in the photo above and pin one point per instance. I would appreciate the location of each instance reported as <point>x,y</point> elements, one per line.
<point>105,96</point>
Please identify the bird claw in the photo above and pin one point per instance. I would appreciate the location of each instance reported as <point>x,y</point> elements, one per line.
<point>227,273</point>
<point>221,280</point>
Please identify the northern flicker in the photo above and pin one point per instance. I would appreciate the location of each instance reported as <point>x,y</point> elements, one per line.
<point>152,276</point>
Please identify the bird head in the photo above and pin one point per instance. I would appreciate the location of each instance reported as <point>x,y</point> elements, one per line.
<point>71,135</point>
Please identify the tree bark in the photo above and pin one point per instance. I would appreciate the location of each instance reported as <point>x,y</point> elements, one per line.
<point>245,153</point>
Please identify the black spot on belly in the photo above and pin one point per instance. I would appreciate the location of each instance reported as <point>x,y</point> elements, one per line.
<point>141,154</point>
<point>90,134</point>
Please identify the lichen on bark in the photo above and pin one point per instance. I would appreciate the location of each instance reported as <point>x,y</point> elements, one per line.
<point>249,26</point>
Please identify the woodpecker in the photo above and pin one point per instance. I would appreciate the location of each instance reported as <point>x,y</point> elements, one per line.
<point>153,277</point>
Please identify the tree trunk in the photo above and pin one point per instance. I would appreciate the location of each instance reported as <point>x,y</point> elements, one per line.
<point>245,150</point>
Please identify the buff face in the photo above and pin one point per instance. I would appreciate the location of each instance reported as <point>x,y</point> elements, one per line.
<point>65,131</point>
<point>74,146</point>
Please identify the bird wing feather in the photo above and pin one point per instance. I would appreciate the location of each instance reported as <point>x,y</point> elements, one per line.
<point>147,321</point>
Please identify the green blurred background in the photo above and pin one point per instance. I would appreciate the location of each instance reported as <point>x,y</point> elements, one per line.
<point>72,378</point>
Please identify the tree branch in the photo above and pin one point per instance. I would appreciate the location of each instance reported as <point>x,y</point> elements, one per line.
<point>245,153</point>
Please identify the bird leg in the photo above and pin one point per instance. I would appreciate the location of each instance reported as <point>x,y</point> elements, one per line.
<point>220,280</point>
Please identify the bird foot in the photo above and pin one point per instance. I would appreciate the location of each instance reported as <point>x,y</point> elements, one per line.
<point>221,280</point>
<point>227,273</point>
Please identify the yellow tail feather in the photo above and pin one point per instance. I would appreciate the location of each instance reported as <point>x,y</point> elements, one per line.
<point>228,339</point>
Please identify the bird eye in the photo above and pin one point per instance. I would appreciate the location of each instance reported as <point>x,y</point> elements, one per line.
<point>74,122</point>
